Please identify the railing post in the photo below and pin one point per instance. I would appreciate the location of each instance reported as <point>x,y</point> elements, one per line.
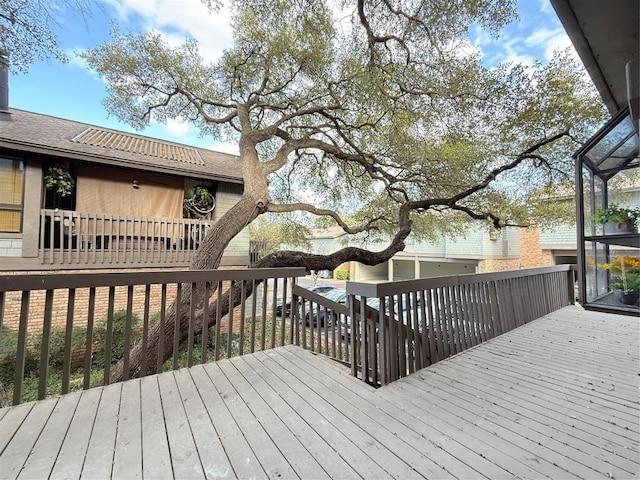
<point>22,348</point>
<point>571,275</point>
<point>354,334</point>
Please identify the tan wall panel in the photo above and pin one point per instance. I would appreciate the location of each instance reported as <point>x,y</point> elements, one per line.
<point>110,190</point>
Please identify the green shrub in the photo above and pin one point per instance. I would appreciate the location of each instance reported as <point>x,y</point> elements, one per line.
<point>342,274</point>
<point>8,357</point>
<point>32,382</point>
<point>117,337</point>
<point>54,383</point>
<point>56,344</point>
<point>153,319</point>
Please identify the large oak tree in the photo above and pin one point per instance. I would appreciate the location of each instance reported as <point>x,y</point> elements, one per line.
<point>27,30</point>
<point>380,111</point>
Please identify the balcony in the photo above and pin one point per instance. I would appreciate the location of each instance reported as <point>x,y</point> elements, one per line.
<point>75,239</point>
<point>483,376</point>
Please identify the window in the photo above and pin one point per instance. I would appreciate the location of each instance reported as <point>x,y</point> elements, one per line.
<point>11,188</point>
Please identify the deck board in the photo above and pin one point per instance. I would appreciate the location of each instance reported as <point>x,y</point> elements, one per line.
<point>301,461</point>
<point>587,392</point>
<point>243,461</point>
<point>365,407</point>
<point>556,398</point>
<point>72,453</point>
<point>16,453</point>
<point>273,461</point>
<point>127,460</point>
<point>434,444</point>
<point>11,420</point>
<point>185,460</point>
<point>102,440</point>
<point>211,452</point>
<point>263,383</point>
<point>343,458</point>
<point>42,457</point>
<point>314,412</point>
<point>156,462</point>
<point>369,438</point>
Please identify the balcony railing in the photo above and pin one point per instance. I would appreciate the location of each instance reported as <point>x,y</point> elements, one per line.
<point>65,332</point>
<point>77,238</point>
<point>420,322</point>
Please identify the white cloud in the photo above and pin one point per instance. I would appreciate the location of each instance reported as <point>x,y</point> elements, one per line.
<point>480,37</point>
<point>518,58</point>
<point>545,7</point>
<point>225,147</point>
<point>540,36</point>
<point>177,127</point>
<point>75,60</point>
<point>177,19</point>
<point>559,42</point>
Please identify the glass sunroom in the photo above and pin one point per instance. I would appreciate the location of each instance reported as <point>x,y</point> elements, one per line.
<point>608,179</point>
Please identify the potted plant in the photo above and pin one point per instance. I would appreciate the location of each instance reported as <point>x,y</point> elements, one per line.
<point>59,180</point>
<point>625,278</point>
<point>617,220</point>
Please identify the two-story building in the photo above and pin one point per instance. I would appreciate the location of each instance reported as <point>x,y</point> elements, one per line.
<point>76,196</point>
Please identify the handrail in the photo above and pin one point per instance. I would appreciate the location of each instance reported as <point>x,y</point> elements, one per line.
<point>86,280</point>
<point>68,329</point>
<point>423,321</point>
<point>390,288</point>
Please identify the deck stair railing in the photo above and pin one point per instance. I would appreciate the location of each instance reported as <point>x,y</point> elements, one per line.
<point>421,322</point>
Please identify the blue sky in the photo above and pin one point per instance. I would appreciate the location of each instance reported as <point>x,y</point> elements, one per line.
<point>72,91</point>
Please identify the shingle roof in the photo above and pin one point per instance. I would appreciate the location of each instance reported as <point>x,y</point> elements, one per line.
<point>44,134</point>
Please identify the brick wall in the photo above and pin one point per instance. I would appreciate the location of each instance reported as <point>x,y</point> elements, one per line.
<point>60,302</point>
<point>531,255</point>
<point>10,247</point>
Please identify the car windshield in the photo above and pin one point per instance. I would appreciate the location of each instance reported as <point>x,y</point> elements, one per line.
<point>338,296</point>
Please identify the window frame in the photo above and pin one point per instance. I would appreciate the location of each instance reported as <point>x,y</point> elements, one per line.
<point>13,207</point>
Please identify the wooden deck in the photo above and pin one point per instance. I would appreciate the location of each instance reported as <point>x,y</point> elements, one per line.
<point>557,398</point>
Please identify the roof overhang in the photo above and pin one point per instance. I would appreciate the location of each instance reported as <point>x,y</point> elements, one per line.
<point>22,147</point>
<point>605,35</point>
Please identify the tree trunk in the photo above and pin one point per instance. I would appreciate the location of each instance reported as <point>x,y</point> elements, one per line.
<point>208,256</point>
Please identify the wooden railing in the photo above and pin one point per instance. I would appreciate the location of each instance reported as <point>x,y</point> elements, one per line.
<point>76,238</point>
<point>324,326</point>
<point>64,332</point>
<point>420,322</point>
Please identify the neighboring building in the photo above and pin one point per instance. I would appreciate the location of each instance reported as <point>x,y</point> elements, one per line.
<point>126,207</point>
<point>478,251</point>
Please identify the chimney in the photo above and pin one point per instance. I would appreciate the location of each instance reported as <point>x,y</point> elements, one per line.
<point>5,114</point>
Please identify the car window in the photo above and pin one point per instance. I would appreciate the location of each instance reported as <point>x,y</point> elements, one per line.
<point>338,296</point>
